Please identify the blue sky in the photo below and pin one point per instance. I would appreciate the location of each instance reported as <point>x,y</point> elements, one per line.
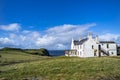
<point>55,22</point>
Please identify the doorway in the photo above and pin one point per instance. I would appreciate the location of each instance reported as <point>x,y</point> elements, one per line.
<point>99,49</point>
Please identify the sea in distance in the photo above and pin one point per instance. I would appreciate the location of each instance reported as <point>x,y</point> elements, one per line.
<point>57,52</point>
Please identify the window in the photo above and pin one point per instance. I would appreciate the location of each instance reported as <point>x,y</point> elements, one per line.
<point>107,45</point>
<point>92,46</point>
<point>112,53</point>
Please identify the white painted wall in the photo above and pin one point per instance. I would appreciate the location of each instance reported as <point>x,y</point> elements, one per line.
<point>112,48</point>
<point>86,50</point>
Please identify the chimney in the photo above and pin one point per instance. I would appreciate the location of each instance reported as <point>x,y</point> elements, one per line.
<point>89,35</point>
<point>96,39</point>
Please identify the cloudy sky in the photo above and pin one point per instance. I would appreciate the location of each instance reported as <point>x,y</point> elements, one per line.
<point>51,24</point>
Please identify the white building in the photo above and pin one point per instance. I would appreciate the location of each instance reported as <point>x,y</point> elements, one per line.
<point>92,47</point>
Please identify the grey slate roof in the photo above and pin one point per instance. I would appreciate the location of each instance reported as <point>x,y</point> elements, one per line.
<point>77,42</point>
<point>107,42</point>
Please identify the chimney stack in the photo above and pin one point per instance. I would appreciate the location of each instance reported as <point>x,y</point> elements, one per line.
<point>89,35</point>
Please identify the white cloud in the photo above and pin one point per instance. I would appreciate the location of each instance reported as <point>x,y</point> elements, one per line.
<point>109,37</point>
<point>68,29</point>
<point>45,41</point>
<point>25,40</point>
<point>61,46</point>
<point>10,27</point>
<point>57,37</point>
<point>5,40</point>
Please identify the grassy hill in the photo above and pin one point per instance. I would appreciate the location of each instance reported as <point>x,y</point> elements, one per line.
<point>12,57</point>
<point>33,67</point>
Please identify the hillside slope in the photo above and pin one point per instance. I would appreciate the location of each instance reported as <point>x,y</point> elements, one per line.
<point>13,56</point>
<point>64,68</point>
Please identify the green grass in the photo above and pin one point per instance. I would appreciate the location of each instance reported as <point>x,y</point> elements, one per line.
<point>13,56</point>
<point>64,68</point>
<point>60,68</point>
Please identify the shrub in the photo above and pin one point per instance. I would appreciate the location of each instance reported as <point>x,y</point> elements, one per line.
<point>8,48</point>
<point>43,52</point>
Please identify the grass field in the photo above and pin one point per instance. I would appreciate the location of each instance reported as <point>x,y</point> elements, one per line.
<point>34,67</point>
<point>12,57</point>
